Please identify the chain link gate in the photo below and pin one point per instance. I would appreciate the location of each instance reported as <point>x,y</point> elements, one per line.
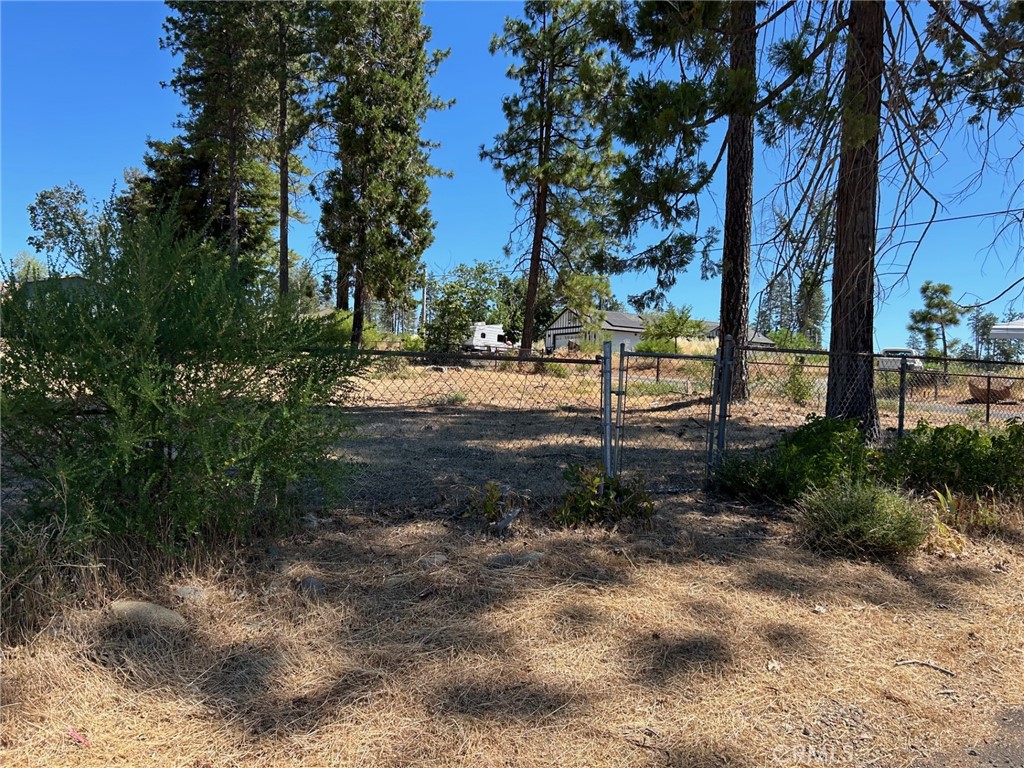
<point>668,426</point>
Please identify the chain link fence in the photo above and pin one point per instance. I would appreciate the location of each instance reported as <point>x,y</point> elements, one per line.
<point>669,402</point>
<point>427,429</point>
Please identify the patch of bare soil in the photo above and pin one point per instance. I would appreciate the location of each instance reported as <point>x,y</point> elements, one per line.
<point>709,638</point>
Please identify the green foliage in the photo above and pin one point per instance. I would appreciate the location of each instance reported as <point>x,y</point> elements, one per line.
<point>968,461</point>
<point>656,346</point>
<point>556,370</point>
<point>670,325</point>
<point>861,518</point>
<point>488,501</point>
<point>556,153</point>
<point>939,313</point>
<point>447,399</point>
<point>168,402</point>
<point>374,214</point>
<point>970,515</point>
<point>595,498</point>
<point>412,343</point>
<point>799,387</point>
<point>818,454</point>
<point>455,302</point>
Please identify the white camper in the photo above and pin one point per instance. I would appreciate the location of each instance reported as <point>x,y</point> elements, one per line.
<point>487,337</point>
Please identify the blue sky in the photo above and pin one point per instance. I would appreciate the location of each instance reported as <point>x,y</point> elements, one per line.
<point>80,93</point>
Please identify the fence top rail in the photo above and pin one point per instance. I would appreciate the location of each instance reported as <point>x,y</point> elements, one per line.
<point>924,358</point>
<point>669,356</point>
<point>512,357</point>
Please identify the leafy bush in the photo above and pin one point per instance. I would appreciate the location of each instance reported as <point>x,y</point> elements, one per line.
<point>799,387</point>
<point>656,346</point>
<point>593,497</point>
<point>167,401</point>
<point>969,461</point>
<point>861,518</point>
<point>817,454</point>
<point>546,368</point>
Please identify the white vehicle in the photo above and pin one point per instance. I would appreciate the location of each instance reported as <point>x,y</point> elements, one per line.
<point>487,337</point>
<point>892,359</point>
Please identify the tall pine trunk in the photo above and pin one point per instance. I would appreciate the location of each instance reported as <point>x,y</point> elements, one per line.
<point>540,213</point>
<point>739,192</point>
<point>282,149</point>
<point>851,392</point>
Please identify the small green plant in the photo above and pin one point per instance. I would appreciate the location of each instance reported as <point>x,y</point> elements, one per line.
<point>489,501</point>
<point>593,497</point>
<point>447,399</point>
<point>862,518</point>
<point>545,368</point>
<point>392,367</point>
<point>970,515</point>
<point>799,387</point>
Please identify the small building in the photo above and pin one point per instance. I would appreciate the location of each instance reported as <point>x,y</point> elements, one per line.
<point>754,338</point>
<point>620,327</point>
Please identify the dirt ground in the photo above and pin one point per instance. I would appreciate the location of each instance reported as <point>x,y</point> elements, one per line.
<point>707,638</point>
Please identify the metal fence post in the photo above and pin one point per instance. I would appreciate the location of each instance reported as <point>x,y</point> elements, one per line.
<point>725,392</point>
<point>903,395</point>
<point>988,397</point>
<point>716,389</point>
<point>620,407</point>
<point>606,409</point>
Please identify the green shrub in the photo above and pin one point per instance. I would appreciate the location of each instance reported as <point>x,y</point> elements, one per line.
<point>546,368</point>
<point>799,387</point>
<point>656,346</point>
<point>594,497</point>
<point>818,453</point>
<point>412,343</point>
<point>449,398</point>
<point>168,403</point>
<point>965,460</point>
<point>861,518</point>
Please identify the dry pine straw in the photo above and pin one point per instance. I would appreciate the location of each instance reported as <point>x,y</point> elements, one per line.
<point>711,639</point>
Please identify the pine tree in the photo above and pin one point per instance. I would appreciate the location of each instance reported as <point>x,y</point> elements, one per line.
<point>223,83</point>
<point>373,61</point>
<point>556,155</point>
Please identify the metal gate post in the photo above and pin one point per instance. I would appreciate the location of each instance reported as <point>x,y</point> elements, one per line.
<point>716,376</point>
<point>903,395</point>
<point>620,407</point>
<point>606,409</point>
<point>725,393</point>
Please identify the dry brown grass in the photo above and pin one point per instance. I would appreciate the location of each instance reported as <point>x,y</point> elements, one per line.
<point>710,639</point>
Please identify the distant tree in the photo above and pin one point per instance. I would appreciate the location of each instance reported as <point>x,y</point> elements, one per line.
<point>224,85</point>
<point>510,304</point>
<point>555,155</point>
<point>374,215</point>
<point>455,302</point>
<point>73,234</point>
<point>940,312</point>
<point>980,323</point>
<point>182,177</point>
<point>25,266</point>
<point>672,324</point>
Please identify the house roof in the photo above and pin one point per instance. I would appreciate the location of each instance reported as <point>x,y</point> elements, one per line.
<point>622,321</point>
<point>613,321</point>
<point>1011,330</point>
<point>754,338</point>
